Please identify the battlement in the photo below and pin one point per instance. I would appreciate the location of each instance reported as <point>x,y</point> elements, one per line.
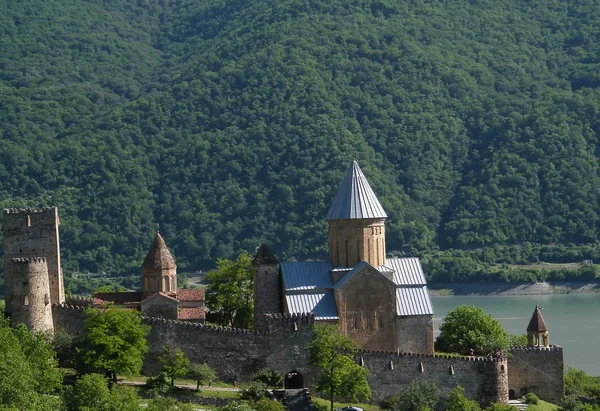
<point>304,318</point>
<point>387,354</point>
<point>29,260</point>
<point>46,210</point>
<point>552,348</point>
<point>79,301</point>
<point>67,307</point>
<point>197,326</point>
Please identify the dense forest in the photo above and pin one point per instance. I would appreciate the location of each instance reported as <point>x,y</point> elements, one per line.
<point>228,123</point>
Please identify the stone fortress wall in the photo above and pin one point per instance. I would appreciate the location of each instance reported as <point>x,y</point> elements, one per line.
<point>539,370</point>
<point>235,354</point>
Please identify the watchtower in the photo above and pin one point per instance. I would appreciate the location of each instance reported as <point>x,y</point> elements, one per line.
<point>356,223</point>
<point>32,233</point>
<point>30,294</point>
<point>267,287</point>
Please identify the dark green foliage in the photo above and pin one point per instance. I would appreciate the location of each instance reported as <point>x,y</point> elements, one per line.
<point>159,383</point>
<point>517,340</point>
<point>114,340</point>
<point>456,401</point>
<point>29,374</point>
<point>531,398</point>
<point>419,396</point>
<point>175,363</point>
<point>500,407</point>
<point>466,328</point>
<point>203,374</point>
<point>574,403</point>
<point>339,375</point>
<point>229,292</point>
<point>231,123</point>
<point>254,391</point>
<point>91,393</point>
<point>577,382</point>
<point>266,404</point>
<point>270,377</point>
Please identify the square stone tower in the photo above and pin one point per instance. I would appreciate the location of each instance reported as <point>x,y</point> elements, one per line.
<point>30,233</point>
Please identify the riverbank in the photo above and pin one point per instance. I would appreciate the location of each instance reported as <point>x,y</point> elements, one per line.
<point>545,288</point>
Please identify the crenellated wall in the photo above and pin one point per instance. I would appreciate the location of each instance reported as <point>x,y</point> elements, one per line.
<point>538,370</point>
<point>483,379</point>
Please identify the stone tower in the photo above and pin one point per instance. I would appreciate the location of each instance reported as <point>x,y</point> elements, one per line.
<point>159,272</point>
<point>356,223</point>
<point>32,233</point>
<point>267,287</point>
<point>537,332</point>
<point>30,294</point>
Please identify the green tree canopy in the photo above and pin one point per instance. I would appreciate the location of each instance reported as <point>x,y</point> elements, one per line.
<point>114,340</point>
<point>418,396</point>
<point>339,374</point>
<point>175,363</point>
<point>229,294</point>
<point>456,401</point>
<point>91,393</point>
<point>203,374</point>
<point>467,328</point>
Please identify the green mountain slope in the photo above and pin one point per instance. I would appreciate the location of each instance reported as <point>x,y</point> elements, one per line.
<point>228,123</point>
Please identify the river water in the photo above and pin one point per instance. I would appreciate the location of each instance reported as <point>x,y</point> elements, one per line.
<point>573,321</point>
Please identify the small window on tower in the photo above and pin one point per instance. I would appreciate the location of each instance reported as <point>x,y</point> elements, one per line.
<point>26,300</point>
<point>28,220</point>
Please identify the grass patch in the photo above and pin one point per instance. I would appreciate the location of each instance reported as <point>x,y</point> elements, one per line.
<point>218,394</point>
<point>542,406</point>
<point>366,407</point>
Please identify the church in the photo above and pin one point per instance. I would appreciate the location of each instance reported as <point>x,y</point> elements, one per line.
<point>381,303</point>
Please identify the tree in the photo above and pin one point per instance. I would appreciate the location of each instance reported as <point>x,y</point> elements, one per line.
<point>268,376</point>
<point>201,373</point>
<point>266,404</point>
<point>339,374</point>
<point>91,393</point>
<point>456,401</point>
<point>28,370</point>
<point>467,328</point>
<point>160,403</point>
<point>229,293</point>
<point>419,396</point>
<point>113,342</point>
<point>175,363</point>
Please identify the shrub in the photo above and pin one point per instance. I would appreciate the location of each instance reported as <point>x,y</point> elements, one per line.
<point>269,377</point>
<point>266,404</point>
<point>255,391</point>
<point>531,398</point>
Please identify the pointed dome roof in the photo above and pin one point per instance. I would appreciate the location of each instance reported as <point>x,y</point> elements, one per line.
<point>355,198</point>
<point>537,323</point>
<point>159,256</point>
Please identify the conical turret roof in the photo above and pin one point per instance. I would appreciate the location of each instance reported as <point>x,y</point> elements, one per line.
<point>355,198</point>
<point>159,256</point>
<point>537,323</point>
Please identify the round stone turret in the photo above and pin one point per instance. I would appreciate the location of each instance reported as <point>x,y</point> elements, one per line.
<point>30,294</point>
<point>159,272</point>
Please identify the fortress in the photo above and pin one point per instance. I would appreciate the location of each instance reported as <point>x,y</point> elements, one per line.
<point>381,303</point>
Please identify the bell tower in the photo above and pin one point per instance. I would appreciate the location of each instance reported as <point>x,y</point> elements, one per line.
<point>159,272</point>
<point>356,223</point>
<point>537,331</point>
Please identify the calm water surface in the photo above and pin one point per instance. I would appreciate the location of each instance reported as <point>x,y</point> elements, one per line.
<point>573,321</point>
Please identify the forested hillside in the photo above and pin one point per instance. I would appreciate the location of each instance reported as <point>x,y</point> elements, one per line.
<point>228,123</point>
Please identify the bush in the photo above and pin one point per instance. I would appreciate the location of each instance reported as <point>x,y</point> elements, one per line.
<point>266,404</point>
<point>255,391</point>
<point>160,383</point>
<point>501,407</point>
<point>531,398</point>
<point>419,396</point>
<point>270,377</point>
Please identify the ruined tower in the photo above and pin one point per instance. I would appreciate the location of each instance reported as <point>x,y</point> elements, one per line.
<point>537,332</point>
<point>30,294</point>
<point>159,272</point>
<point>32,233</point>
<point>267,287</point>
<point>356,223</point>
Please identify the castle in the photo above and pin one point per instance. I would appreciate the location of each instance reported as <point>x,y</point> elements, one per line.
<point>380,303</point>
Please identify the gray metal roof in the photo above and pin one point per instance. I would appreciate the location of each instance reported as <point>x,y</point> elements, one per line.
<point>413,301</point>
<point>355,198</point>
<point>407,271</point>
<point>310,275</point>
<point>322,305</point>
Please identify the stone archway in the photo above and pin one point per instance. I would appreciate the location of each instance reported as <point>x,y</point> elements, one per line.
<point>511,395</point>
<point>293,380</point>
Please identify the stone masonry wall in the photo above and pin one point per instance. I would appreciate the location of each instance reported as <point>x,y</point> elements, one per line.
<point>415,334</point>
<point>537,370</point>
<point>33,233</point>
<point>482,379</point>
<point>352,241</point>
<point>268,295</point>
